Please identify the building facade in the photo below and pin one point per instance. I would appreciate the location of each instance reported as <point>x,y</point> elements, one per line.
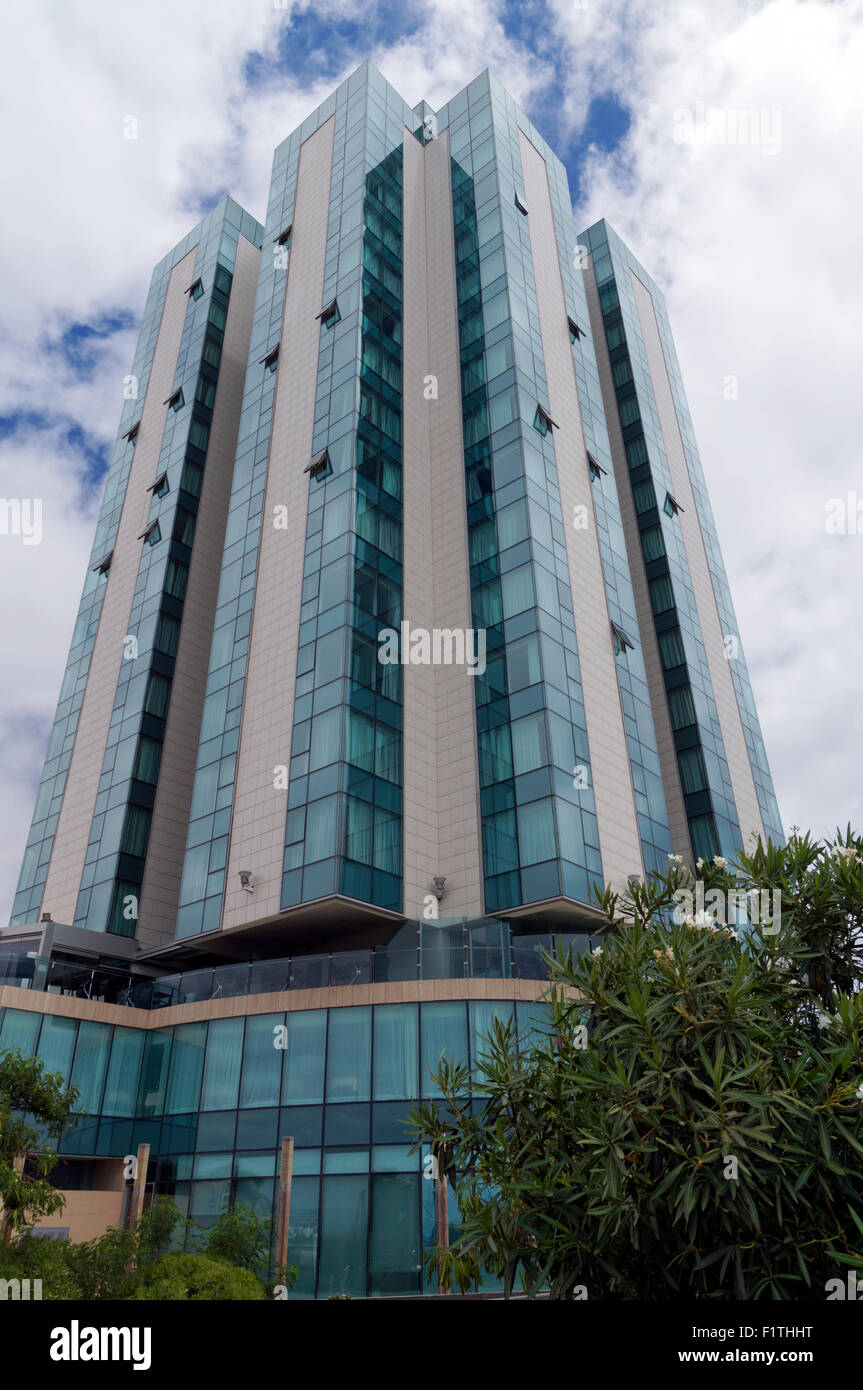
<point>406,628</point>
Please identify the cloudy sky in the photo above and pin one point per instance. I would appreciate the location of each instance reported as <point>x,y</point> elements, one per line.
<point>756,243</point>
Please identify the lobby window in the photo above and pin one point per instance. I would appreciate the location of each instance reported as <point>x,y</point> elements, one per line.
<point>196,289</point>
<point>543,422</point>
<point>329,315</point>
<point>671,506</point>
<point>175,401</point>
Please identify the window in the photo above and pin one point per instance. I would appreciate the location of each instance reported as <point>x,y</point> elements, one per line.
<point>661,594</point>
<point>693,775</point>
<point>205,392</point>
<point>152,535</point>
<point>104,565</point>
<point>320,466</point>
<point>136,832</point>
<point>574,331</point>
<point>681,707</point>
<point>146,768</point>
<point>671,649</point>
<point>284,238</point>
<point>543,422</point>
<point>176,401</point>
<point>520,205</point>
<point>619,639</point>
<point>132,434</point>
<point>160,487</point>
<point>596,469</point>
<point>157,696</point>
<point>705,841</point>
<point>176,577</point>
<point>196,289</point>
<point>652,544</point>
<point>672,506</point>
<point>184,527</point>
<point>272,358</point>
<point>330,315</point>
<point>191,478</point>
<point>167,635</point>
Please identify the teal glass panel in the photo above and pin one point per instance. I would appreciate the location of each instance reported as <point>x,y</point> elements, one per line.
<point>187,1065</point>
<point>91,1063</point>
<point>349,1053</point>
<point>222,1067</point>
<point>444,1032</point>
<point>344,1234</point>
<point>121,1085</point>
<point>154,1072</point>
<point>303,1235</point>
<point>56,1041</point>
<point>395,1254</point>
<point>396,1051</point>
<point>20,1028</point>
<point>263,1054</point>
<point>304,1064</point>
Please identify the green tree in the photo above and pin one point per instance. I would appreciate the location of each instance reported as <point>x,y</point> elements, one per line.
<point>194,1277</point>
<point>35,1109</point>
<point>239,1237</point>
<point>688,1121</point>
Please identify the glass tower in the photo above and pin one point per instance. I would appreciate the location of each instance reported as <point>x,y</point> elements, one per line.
<point>405,629</point>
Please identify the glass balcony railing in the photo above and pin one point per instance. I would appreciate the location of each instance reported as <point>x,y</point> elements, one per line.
<point>441,951</point>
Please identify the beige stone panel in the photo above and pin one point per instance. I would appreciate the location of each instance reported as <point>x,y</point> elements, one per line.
<point>441,826</point>
<point>287,1001</point>
<point>421,852</point>
<point>678,824</point>
<point>619,839</point>
<point>458,770</point>
<point>87,1214</point>
<point>161,886</point>
<point>82,781</point>
<point>258,824</point>
<point>737,755</point>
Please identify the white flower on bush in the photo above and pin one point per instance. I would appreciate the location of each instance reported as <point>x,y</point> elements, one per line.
<point>699,863</point>
<point>860,1092</point>
<point>822,1019</point>
<point>676,858</point>
<point>848,853</point>
<point>597,951</point>
<point>720,862</point>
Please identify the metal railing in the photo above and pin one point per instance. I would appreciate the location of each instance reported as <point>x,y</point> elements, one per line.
<point>450,957</point>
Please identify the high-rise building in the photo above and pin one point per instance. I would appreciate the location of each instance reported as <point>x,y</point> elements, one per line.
<point>405,628</point>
